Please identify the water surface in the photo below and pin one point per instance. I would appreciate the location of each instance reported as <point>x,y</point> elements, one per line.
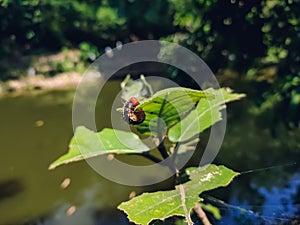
<point>36,128</point>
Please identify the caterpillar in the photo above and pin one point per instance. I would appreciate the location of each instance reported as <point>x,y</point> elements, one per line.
<point>130,115</point>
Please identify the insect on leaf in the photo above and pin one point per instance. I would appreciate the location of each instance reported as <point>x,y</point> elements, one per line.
<point>167,107</point>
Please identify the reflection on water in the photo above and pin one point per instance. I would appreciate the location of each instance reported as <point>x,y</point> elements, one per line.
<point>267,189</point>
<point>36,129</point>
<point>275,206</point>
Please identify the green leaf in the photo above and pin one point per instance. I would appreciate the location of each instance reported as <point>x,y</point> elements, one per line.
<point>163,204</point>
<point>87,143</point>
<point>204,116</point>
<point>212,209</point>
<point>168,107</point>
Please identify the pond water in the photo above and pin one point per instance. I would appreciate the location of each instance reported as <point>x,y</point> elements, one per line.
<point>35,130</point>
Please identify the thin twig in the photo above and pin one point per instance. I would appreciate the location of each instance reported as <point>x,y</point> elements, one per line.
<point>201,214</point>
<point>150,157</point>
<point>199,211</point>
<point>183,203</point>
<point>182,196</point>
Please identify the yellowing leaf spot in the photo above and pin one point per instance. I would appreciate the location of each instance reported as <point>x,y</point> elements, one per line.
<point>207,177</point>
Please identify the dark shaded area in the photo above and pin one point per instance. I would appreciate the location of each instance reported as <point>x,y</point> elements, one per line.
<point>148,68</point>
<point>256,40</point>
<point>31,25</point>
<point>97,217</point>
<point>10,188</point>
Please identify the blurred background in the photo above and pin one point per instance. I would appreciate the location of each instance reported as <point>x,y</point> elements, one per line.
<point>45,47</point>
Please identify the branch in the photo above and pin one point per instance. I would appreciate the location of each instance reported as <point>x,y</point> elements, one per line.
<point>201,214</point>
<point>162,149</point>
<point>183,203</point>
<point>151,157</point>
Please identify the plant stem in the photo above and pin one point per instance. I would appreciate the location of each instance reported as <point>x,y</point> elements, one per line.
<point>162,149</point>
<point>151,157</point>
<point>201,214</point>
<point>182,196</point>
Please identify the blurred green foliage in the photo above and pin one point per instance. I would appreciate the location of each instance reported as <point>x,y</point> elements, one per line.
<point>39,27</point>
<point>53,24</point>
<point>259,39</point>
<point>28,24</point>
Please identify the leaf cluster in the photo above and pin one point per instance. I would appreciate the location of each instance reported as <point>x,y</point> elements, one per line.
<point>176,114</point>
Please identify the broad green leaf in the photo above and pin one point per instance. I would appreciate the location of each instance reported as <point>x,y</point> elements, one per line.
<point>136,88</point>
<point>204,116</point>
<point>87,143</point>
<point>163,204</point>
<point>168,107</point>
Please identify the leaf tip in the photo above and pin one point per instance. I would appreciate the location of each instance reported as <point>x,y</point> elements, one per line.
<point>52,166</point>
